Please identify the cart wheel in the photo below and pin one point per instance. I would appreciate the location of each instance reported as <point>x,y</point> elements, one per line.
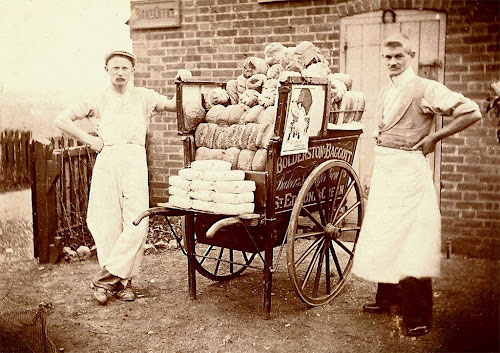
<point>220,264</point>
<point>323,231</point>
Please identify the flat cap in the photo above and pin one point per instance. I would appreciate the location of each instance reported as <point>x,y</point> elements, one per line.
<point>124,53</point>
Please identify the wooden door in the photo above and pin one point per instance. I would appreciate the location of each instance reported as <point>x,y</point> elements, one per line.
<point>361,38</point>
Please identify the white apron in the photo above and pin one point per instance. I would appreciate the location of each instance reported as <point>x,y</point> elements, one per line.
<point>401,232</point>
<point>119,188</point>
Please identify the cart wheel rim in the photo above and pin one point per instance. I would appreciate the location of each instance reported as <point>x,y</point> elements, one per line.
<point>322,236</point>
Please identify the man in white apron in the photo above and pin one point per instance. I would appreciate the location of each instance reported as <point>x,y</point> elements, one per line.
<point>119,188</point>
<point>400,241</point>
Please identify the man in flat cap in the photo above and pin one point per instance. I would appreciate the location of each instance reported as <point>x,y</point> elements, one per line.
<point>400,241</point>
<point>119,188</point>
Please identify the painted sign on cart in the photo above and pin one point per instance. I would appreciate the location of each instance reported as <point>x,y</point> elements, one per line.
<point>292,170</point>
<point>155,14</point>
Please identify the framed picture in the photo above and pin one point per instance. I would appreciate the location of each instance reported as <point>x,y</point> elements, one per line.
<point>304,117</point>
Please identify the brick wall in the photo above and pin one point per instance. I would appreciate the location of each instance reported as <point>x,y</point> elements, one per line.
<point>217,35</point>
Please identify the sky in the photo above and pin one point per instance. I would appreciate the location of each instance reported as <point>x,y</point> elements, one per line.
<point>56,47</point>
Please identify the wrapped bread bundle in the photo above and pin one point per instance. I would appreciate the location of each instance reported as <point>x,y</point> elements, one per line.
<point>245,159</point>
<point>210,165</point>
<point>231,155</point>
<point>256,82</point>
<point>223,175</point>
<point>254,65</point>
<point>345,78</point>
<point>307,53</point>
<point>193,114</point>
<point>204,135</point>
<point>232,91</point>
<point>235,137</point>
<point>180,201</point>
<point>264,136</point>
<point>242,84</point>
<point>203,205</point>
<point>232,198</point>
<point>337,88</point>
<point>231,209</point>
<point>259,160</point>
<point>250,97</point>
<point>235,113</point>
<point>214,112</point>
<point>268,116</point>
<point>245,136</point>
<point>203,195</point>
<point>202,153</point>
<point>273,73</point>
<point>190,173</point>
<point>173,190</point>
<point>234,187</point>
<point>273,53</point>
<point>216,96</point>
<point>252,115</point>
<point>178,182</point>
<point>215,153</point>
<point>290,61</point>
<point>199,184</point>
<point>316,70</point>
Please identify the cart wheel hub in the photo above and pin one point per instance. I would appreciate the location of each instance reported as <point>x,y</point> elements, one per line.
<point>332,231</point>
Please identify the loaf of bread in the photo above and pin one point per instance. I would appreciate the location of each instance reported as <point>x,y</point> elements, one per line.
<point>204,135</point>
<point>232,198</point>
<point>197,185</point>
<point>203,205</point>
<point>180,201</point>
<point>273,53</point>
<point>264,136</point>
<point>268,116</point>
<point>252,115</point>
<point>230,209</point>
<point>216,96</point>
<point>235,113</point>
<point>223,175</point>
<point>242,85</point>
<point>202,153</point>
<point>316,70</point>
<point>203,195</point>
<point>249,97</point>
<point>259,160</point>
<point>235,187</point>
<point>254,65</point>
<point>256,82</point>
<point>173,190</point>
<point>219,138</point>
<point>337,88</point>
<point>345,78</point>
<point>252,138</point>
<point>232,91</point>
<point>193,114</point>
<point>245,136</point>
<point>211,165</point>
<point>181,183</point>
<point>190,174</point>
<point>245,159</point>
<point>273,73</point>
<point>214,112</point>
<point>231,155</point>
<point>215,153</point>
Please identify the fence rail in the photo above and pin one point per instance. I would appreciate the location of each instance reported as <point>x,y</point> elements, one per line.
<point>15,158</point>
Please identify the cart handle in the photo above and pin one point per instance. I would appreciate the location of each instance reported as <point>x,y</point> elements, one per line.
<point>225,222</point>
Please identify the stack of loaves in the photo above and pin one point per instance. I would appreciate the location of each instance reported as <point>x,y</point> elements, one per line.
<point>211,185</point>
<point>236,123</point>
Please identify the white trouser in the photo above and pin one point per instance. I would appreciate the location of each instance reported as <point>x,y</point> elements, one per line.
<point>118,194</point>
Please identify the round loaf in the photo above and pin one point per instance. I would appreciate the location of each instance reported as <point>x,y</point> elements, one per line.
<point>232,91</point>
<point>214,112</point>
<point>201,153</point>
<point>242,84</point>
<point>216,96</point>
<point>250,97</point>
<point>273,52</point>
<point>273,73</point>
<point>231,155</point>
<point>235,113</point>
<point>216,154</point>
<point>245,159</point>
<point>256,82</point>
<point>259,160</point>
<point>268,116</point>
<point>253,113</point>
<point>266,133</point>
<point>193,114</point>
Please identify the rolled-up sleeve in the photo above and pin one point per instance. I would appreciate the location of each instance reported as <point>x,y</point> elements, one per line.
<point>155,101</point>
<point>440,100</point>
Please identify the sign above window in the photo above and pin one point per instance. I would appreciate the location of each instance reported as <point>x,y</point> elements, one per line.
<point>155,14</point>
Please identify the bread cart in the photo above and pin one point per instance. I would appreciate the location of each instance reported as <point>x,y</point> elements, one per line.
<point>310,201</point>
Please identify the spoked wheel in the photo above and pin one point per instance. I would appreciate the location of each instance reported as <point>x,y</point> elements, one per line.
<point>220,264</point>
<point>323,231</point>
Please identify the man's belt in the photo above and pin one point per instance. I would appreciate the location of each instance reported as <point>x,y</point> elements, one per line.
<point>396,146</point>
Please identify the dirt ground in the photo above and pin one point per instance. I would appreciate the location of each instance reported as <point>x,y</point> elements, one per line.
<point>225,317</point>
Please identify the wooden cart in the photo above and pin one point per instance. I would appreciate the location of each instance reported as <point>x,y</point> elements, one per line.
<point>311,202</point>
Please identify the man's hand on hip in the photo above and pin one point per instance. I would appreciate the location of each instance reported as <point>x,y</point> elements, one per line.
<point>427,145</point>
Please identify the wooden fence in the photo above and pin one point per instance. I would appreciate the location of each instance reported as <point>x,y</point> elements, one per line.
<point>61,172</point>
<point>15,159</point>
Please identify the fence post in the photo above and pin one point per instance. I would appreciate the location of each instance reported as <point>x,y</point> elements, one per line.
<point>44,174</point>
